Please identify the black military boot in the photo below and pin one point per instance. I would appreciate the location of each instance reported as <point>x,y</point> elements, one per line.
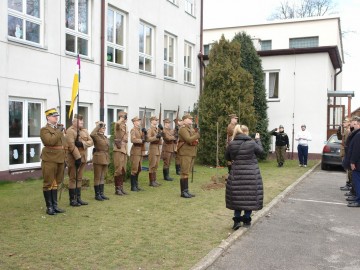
<point>54,202</point>
<point>177,167</point>
<point>237,221</point>
<point>72,197</point>
<point>133,183</point>
<point>137,182</point>
<point>79,200</point>
<point>48,201</point>
<point>102,195</point>
<point>122,177</point>
<point>186,181</point>
<point>184,189</point>
<point>247,221</point>
<point>97,193</point>
<point>166,175</point>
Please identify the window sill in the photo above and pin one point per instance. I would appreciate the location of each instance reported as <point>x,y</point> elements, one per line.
<point>190,14</point>
<point>113,65</point>
<point>146,73</point>
<point>26,43</point>
<point>82,57</point>
<point>175,5</point>
<point>170,79</point>
<point>189,84</point>
<point>273,99</point>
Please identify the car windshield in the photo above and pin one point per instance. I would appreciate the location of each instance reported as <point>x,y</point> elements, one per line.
<point>334,139</point>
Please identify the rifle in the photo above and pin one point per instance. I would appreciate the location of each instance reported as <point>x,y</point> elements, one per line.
<point>160,126</point>
<point>177,117</point>
<point>143,135</point>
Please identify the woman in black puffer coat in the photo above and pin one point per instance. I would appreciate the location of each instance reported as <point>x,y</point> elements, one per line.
<point>244,187</point>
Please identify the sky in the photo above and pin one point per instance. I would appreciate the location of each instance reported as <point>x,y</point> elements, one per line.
<point>244,12</point>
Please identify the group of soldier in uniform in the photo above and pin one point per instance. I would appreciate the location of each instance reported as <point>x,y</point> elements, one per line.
<point>70,148</point>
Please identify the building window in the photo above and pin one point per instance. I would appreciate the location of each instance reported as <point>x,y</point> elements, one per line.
<point>169,56</point>
<point>305,42</point>
<point>190,7</point>
<point>25,20</point>
<point>25,117</point>
<point>77,32</point>
<point>112,116</point>
<point>116,37</point>
<point>266,45</point>
<point>207,49</point>
<point>146,33</point>
<point>271,81</point>
<point>171,115</point>
<point>83,110</point>
<point>188,63</point>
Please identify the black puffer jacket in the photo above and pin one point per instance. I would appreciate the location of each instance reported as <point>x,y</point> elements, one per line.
<point>244,187</point>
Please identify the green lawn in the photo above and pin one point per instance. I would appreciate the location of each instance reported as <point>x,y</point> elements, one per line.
<point>154,229</point>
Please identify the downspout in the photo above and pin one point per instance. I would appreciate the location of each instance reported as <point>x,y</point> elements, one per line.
<point>102,60</point>
<point>201,55</point>
<point>335,88</point>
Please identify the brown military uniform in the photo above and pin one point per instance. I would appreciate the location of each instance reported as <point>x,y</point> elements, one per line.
<point>120,147</point>
<point>187,149</point>
<point>153,154</point>
<point>169,146</point>
<point>76,153</point>
<point>136,150</point>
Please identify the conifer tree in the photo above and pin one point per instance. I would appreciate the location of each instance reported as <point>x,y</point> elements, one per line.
<point>251,62</point>
<point>228,88</point>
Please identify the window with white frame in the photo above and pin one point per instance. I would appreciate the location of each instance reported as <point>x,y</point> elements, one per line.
<point>25,20</point>
<point>266,45</point>
<point>169,56</point>
<point>112,116</point>
<point>304,42</point>
<point>190,7</point>
<point>171,115</point>
<point>116,36</point>
<point>77,23</point>
<point>188,62</point>
<point>271,81</point>
<point>146,40</point>
<point>25,118</point>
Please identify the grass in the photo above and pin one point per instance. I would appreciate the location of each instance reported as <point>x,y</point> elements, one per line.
<point>154,229</point>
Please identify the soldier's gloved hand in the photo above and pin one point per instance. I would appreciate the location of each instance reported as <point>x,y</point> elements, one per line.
<point>79,144</point>
<point>144,130</point>
<point>160,126</point>
<point>60,127</point>
<point>78,163</point>
<point>159,135</point>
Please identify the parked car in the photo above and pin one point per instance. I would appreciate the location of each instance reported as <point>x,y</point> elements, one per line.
<point>331,153</point>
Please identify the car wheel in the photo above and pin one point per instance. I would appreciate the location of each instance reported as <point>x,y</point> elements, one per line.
<point>323,166</point>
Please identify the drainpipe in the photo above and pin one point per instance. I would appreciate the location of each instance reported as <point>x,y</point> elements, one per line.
<point>335,88</point>
<point>201,55</point>
<point>102,60</point>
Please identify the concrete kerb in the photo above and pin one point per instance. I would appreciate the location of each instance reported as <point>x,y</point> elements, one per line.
<point>215,253</point>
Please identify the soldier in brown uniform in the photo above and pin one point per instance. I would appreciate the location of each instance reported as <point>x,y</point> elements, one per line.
<point>120,153</point>
<point>78,140</point>
<point>136,153</point>
<point>168,148</point>
<point>154,135</point>
<point>101,159</point>
<point>52,160</point>
<point>229,133</point>
<point>178,124</point>
<point>187,149</point>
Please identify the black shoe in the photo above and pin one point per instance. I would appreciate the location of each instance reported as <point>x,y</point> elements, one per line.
<point>55,203</point>
<point>349,194</point>
<point>186,195</point>
<point>247,221</point>
<point>237,221</point>
<point>345,188</point>
<point>354,204</point>
<point>279,165</point>
<point>102,195</point>
<point>351,199</point>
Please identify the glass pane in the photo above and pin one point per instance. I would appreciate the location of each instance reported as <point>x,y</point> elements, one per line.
<point>84,112</point>
<point>141,62</point>
<point>171,71</point>
<point>33,153</point>
<point>83,16</point>
<point>165,70</point>
<point>82,46</point>
<point>15,119</point>
<point>32,32</point>
<point>110,119</point>
<point>33,8</point>
<point>119,57</point>
<point>165,47</point>
<point>273,85</point>
<point>141,38</point>
<point>70,14</point>
<point>147,65</point>
<point>189,57</point>
<point>70,43</point>
<point>171,50</point>
<point>15,27</point>
<point>119,29</point>
<point>110,54</point>
<point>16,154</point>
<point>110,26</point>
<point>15,5</point>
<point>34,116</point>
<point>148,40</point>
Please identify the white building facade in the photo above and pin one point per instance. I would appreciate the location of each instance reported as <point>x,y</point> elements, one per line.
<point>302,61</point>
<point>148,57</point>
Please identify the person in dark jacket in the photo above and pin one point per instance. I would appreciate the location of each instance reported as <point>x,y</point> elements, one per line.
<point>281,144</point>
<point>244,187</point>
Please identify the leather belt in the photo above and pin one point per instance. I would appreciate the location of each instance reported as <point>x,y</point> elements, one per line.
<point>55,147</point>
<point>138,144</point>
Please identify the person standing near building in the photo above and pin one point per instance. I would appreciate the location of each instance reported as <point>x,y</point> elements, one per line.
<point>281,144</point>
<point>187,150</point>
<point>138,139</point>
<point>229,133</point>
<point>168,148</point>
<point>154,135</point>
<point>178,124</point>
<point>343,133</point>
<point>101,159</point>
<point>244,188</point>
<point>52,160</point>
<point>120,153</point>
<point>303,137</point>
<point>78,140</point>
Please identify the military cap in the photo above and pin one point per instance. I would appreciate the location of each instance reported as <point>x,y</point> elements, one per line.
<point>233,116</point>
<point>303,125</point>
<point>178,119</point>
<point>152,118</point>
<point>122,114</point>
<point>166,120</point>
<point>51,112</point>
<point>346,120</point>
<point>136,118</point>
<point>281,126</point>
<point>78,116</point>
<point>187,116</point>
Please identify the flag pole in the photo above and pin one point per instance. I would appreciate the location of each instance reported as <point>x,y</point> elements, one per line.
<point>77,127</point>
